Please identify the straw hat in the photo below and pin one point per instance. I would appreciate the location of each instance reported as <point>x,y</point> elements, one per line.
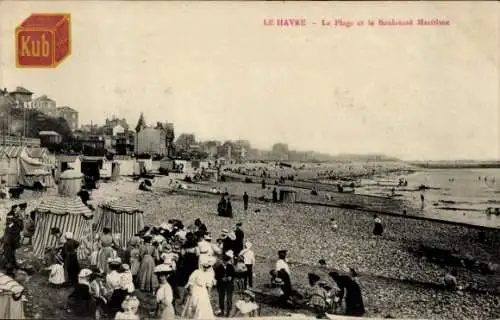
<point>206,261</point>
<point>84,273</point>
<point>164,226</point>
<point>114,261</point>
<point>230,253</point>
<point>163,268</point>
<point>249,293</point>
<point>125,267</point>
<point>135,241</point>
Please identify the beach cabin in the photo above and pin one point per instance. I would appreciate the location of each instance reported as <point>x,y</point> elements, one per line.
<point>91,166</point>
<point>17,168</point>
<point>289,196</point>
<point>43,155</point>
<point>11,302</point>
<point>66,212</point>
<point>122,166</point>
<point>143,164</point>
<point>64,162</point>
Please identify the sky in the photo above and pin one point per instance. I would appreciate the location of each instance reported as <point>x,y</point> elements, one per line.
<point>215,70</point>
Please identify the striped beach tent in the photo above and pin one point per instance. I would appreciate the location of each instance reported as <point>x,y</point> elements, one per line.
<point>65,213</point>
<point>11,303</point>
<point>122,217</point>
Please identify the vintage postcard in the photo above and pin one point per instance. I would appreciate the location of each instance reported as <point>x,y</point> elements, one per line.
<point>205,160</point>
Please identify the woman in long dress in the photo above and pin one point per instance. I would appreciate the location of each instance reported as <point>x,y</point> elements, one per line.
<point>378,229</point>
<point>146,279</point>
<point>114,282</point>
<point>135,257</point>
<point>199,285</point>
<point>106,252</point>
<point>80,302</point>
<point>70,257</point>
<point>165,294</point>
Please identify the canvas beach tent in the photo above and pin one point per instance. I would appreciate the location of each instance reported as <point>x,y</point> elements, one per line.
<point>11,302</point>
<point>17,167</point>
<point>123,217</point>
<point>66,212</point>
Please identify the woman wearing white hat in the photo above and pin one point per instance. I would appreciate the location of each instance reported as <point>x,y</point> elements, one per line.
<point>200,283</point>
<point>115,283</point>
<point>165,294</point>
<point>70,257</point>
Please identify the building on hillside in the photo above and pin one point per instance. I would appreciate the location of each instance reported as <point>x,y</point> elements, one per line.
<point>49,138</point>
<point>113,130</point>
<point>46,105</point>
<point>125,143</point>
<point>71,116</point>
<point>22,96</point>
<point>91,141</point>
<point>151,141</point>
<point>9,140</point>
<point>115,122</point>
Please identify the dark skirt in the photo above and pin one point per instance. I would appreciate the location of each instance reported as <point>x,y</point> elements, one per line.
<point>378,229</point>
<point>115,303</point>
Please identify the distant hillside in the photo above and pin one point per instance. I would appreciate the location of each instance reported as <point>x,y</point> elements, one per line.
<point>364,157</point>
<point>456,164</point>
<point>312,156</point>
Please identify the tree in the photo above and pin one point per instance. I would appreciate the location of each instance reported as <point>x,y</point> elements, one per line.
<point>141,123</point>
<point>185,140</point>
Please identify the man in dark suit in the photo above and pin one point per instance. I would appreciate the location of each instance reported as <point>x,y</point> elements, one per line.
<point>224,275</point>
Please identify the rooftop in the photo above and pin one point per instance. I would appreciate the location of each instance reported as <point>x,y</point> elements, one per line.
<point>66,108</point>
<point>48,133</point>
<point>22,90</point>
<point>44,98</point>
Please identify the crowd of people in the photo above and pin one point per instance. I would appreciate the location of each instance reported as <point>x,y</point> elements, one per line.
<point>179,265</point>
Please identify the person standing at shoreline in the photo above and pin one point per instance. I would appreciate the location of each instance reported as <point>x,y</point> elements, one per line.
<point>245,201</point>
<point>378,229</point>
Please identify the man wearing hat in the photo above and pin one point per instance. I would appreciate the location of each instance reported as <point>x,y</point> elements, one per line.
<point>227,241</point>
<point>12,239</point>
<point>240,237</point>
<point>224,276</point>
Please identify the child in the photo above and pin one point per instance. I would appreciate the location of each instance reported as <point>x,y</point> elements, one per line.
<point>29,226</point>
<point>249,260</point>
<point>130,306</point>
<point>246,307</point>
<point>95,251</point>
<point>56,276</point>
<point>240,273</point>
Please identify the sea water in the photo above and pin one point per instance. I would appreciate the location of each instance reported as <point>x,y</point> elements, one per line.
<point>461,195</point>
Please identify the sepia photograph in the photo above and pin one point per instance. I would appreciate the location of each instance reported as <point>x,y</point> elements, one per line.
<point>249,159</point>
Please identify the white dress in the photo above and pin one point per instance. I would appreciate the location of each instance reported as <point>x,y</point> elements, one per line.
<point>198,304</point>
<point>165,297</point>
<point>126,316</point>
<point>246,307</point>
<point>56,274</point>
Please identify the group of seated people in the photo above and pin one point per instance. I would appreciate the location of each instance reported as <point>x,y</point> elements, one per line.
<point>322,297</point>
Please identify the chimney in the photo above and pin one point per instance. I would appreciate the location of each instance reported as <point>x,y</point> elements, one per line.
<point>70,183</point>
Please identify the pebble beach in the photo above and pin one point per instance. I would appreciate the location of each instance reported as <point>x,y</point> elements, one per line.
<point>394,281</point>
